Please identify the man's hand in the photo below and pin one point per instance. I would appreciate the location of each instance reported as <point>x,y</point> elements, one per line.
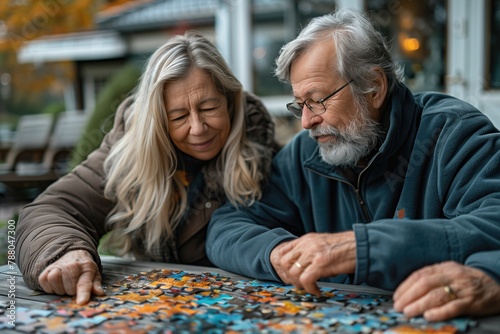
<point>447,290</point>
<point>75,273</point>
<point>303,261</point>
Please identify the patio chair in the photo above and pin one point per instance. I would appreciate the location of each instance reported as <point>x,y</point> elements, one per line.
<point>30,141</point>
<point>54,163</point>
<point>68,129</point>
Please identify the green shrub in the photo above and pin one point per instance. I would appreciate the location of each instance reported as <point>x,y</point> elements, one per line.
<point>54,108</point>
<point>101,119</point>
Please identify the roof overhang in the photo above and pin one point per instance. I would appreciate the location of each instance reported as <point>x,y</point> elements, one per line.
<point>90,45</point>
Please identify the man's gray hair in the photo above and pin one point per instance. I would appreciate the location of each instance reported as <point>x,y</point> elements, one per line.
<point>359,48</point>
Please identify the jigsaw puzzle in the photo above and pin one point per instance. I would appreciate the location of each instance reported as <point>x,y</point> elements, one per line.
<point>170,301</point>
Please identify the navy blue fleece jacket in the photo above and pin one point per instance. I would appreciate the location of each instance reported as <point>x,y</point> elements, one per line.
<point>430,193</point>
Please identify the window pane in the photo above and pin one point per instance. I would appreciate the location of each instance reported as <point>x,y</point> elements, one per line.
<point>272,31</point>
<point>495,45</point>
<point>268,39</point>
<point>416,33</point>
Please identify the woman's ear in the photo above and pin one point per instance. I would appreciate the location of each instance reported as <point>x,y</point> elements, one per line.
<point>378,96</point>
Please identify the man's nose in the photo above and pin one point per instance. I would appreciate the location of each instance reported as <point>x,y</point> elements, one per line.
<point>309,119</point>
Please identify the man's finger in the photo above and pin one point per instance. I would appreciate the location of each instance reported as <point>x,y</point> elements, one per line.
<point>447,311</point>
<point>308,280</point>
<point>416,276</point>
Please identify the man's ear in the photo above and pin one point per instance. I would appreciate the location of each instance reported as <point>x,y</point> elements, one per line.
<point>378,96</point>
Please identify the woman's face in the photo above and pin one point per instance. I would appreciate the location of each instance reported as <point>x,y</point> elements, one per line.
<point>198,116</point>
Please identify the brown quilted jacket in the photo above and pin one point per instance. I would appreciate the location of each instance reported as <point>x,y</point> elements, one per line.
<point>71,213</point>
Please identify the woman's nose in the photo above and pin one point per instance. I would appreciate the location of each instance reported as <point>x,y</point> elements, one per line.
<point>197,124</point>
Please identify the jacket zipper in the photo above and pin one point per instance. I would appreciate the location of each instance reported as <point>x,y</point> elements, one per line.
<point>360,199</point>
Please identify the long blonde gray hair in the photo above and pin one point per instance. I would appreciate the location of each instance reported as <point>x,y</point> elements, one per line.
<point>141,167</point>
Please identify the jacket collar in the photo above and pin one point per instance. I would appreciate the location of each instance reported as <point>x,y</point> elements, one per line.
<point>402,115</point>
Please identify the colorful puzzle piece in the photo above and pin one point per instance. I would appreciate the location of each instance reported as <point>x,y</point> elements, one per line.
<point>177,301</point>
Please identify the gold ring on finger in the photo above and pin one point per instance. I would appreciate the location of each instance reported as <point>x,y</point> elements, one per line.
<point>450,293</point>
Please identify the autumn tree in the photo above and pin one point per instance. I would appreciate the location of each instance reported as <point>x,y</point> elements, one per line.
<point>25,20</point>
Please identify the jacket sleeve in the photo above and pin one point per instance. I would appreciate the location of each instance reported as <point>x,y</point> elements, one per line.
<point>241,239</point>
<point>69,215</point>
<point>489,262</point>
<point>455,206</point>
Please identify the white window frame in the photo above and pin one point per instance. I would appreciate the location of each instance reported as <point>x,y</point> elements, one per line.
<point>467,47</point>
<point>89,74</point>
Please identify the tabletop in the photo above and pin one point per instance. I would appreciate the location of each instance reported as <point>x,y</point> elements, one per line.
<point>152,297</point>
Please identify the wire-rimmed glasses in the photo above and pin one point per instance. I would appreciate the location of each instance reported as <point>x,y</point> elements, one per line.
<point>316,107</point>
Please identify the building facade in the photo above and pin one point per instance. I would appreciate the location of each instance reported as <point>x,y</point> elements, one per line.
<point>445,45</point>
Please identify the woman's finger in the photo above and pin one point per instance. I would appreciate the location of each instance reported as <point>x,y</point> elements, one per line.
<point>55,281</point>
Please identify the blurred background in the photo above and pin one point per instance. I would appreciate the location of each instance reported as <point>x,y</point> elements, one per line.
<point>82,57</point>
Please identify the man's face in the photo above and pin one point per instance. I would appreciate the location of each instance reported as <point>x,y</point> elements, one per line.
<point>345,133</point>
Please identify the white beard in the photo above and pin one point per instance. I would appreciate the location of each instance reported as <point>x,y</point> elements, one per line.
<point>349,146</point>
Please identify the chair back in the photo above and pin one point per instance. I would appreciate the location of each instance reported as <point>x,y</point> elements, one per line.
<point>31,138</point>
<point>67,131</point>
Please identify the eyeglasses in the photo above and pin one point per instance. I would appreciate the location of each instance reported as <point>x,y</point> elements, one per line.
<point>316,107</point>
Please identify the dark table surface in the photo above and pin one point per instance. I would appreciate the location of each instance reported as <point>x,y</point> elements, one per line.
<point>115,269</point>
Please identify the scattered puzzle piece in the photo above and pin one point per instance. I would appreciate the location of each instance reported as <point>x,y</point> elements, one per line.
<point>167,301</point>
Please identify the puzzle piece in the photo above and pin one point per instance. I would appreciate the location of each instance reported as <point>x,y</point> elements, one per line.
<point>4,322</point>
<point>163,300</point>
<point>211,299</point>
<point>56,325</point>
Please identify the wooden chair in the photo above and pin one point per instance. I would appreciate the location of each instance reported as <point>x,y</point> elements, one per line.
<point>67,132</point>
<point>30,141</point>
<point>54,163</point>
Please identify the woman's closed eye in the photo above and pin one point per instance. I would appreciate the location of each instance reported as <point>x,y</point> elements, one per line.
<point>209,111</point>
<point>177,117</point>
<point>183,117</point>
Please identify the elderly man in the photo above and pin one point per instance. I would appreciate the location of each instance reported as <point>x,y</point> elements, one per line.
<point>384,183</point>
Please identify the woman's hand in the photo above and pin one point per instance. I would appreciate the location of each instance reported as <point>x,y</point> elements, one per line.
<point>75,273</point>
<point>447,290</point>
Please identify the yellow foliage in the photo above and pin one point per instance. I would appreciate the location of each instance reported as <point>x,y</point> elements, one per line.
<point>37,18</point>
<point>30,19</point>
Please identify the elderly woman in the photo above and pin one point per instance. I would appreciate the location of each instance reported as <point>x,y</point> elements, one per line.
<point>188,140</point>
